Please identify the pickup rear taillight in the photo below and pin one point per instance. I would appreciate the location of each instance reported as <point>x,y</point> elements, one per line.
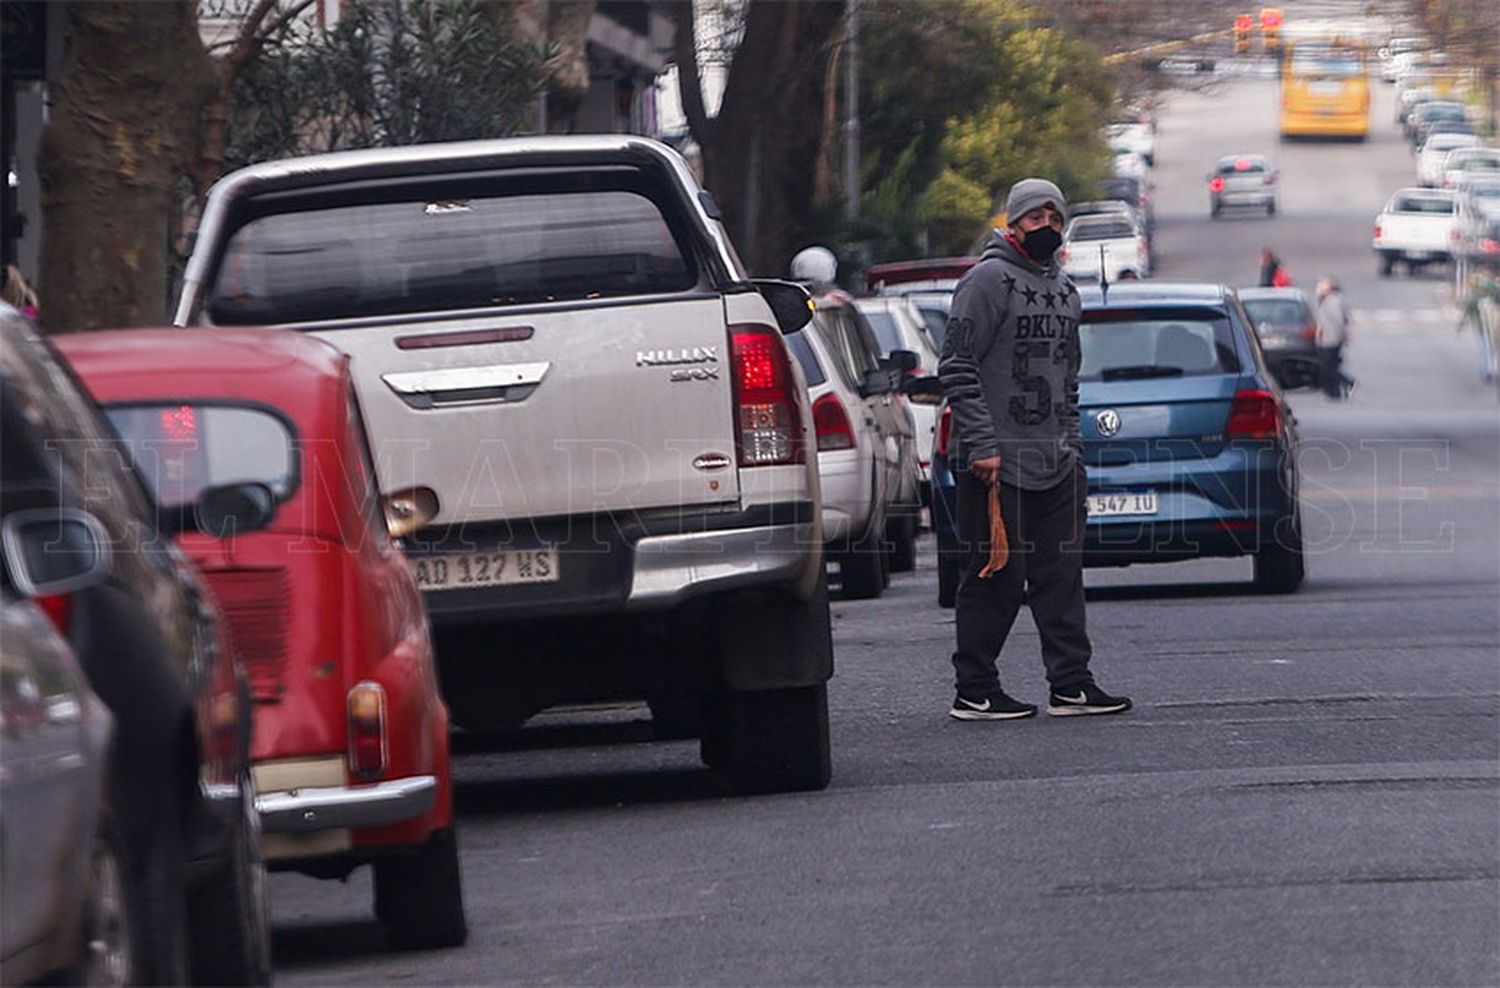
<point>367,730</point>
<point>59,610</point>
<point>1254,415</point>
<point>1216,184</point>
<point>768,424</point>
<point>831,423</point>
<point>944,430</point>
<point>1377,231</point>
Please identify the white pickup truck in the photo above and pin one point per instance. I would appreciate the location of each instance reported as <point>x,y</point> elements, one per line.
<point>1112,242</point>
<point>568,377</point>
<point>1417,227</point>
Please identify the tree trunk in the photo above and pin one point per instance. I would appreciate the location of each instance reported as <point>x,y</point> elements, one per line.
<point>119,138</point>
<point>760,152</point>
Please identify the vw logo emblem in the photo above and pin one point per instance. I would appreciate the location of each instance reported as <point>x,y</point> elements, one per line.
<point>1108,422</point>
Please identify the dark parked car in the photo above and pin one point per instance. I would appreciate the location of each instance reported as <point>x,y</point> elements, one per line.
<point>62,903</point>
<point>1288,329</point>
<point>150,641</point>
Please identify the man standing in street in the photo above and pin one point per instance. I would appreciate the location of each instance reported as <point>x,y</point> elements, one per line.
<point>1010,373</point>
<point>1333,336</point>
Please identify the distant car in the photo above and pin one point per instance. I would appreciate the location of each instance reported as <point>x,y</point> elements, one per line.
<point>1242,180</point>
<point>1136,192</point>
<point>853,482</point>
<point>350,758</point>
<point>1481,246</point>
<point>1482,194</point>
<point>1133,136</point>
<point>1111,245</point>
<point>1286,324</point>
<point>1434,116</point>
<point>63,906</point>
<point>899,324</point>
<point>1408,98</point>
<point>853,345</point>
<point>152,643</point>
<point>1434,152</point>
<point>1129,164</point>
<point>1119,207</point>
<point>1465,165</point>
<point>1417,227</point>
<point>1190,447</point>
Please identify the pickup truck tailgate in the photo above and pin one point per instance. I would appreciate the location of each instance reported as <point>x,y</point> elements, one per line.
<point>542,414</point>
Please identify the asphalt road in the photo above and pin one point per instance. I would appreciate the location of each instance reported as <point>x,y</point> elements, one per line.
<point>1306,792</point>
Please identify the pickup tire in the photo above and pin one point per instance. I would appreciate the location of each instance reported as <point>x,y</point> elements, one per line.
<point>419,897</point>
<point>1387,265</point>
<point>773,740</point>
<point>229,914</point>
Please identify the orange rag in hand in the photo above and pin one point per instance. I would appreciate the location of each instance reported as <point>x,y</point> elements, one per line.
<point>999,544</point>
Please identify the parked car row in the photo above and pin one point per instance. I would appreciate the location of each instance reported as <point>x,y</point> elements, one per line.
<point>504,421</point>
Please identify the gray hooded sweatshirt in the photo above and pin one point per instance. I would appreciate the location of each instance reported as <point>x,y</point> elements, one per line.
<point>1010,367</point>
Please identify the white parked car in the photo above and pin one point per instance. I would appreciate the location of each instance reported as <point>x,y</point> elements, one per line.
<point>900,325</point>
<point>1136,137</point>
<point>1465,165</point>
<point>1431,160</point>
<point>1108,242</point>
<point>1129,164</point>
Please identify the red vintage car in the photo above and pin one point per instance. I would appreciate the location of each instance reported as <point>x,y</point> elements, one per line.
<point>351,734</point>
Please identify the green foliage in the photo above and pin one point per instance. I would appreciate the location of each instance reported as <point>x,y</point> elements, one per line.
<point>961,98</point>
<point>408,72</point>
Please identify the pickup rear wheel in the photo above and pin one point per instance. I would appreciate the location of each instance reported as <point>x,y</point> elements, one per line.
<point>229,915</point>
<point>419,897</point>
<point>774,740</point>
<point>1387,265</point>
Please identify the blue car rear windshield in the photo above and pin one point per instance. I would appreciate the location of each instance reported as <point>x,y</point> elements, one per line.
<point>1122,344</point>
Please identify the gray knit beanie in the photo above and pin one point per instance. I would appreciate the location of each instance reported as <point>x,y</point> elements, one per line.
<point>1028,194</point>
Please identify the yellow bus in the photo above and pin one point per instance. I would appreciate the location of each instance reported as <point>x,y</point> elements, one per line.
<point>1325,89</point>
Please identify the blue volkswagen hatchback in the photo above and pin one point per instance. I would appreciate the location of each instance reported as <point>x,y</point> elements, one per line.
<point>1190,446</point>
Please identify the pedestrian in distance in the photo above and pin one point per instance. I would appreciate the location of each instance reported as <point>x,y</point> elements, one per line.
<point>1272,274</point>
<point>1009,371</point>
<point>1333,335</point>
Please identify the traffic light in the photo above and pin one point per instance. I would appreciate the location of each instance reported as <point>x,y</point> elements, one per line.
<point>1270,29</point>
<point>1242,26</point>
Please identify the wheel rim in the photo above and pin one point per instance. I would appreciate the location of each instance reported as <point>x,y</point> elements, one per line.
<point>110,961</point>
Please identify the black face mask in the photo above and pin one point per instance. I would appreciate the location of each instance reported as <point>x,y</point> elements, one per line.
<point>1040,244</point>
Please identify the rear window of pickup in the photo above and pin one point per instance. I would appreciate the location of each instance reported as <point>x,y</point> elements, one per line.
<point>434,246</point>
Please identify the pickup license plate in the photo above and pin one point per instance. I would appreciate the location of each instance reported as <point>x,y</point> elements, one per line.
<point>497,568</point>
<point>1420,255</point>
<point>1119,503</point>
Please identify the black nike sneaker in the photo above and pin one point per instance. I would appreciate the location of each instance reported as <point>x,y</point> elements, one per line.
<point>993,706</point>
<point>1085,699</point>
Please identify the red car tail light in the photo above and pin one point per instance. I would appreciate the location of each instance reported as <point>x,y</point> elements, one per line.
<point>832,423</point>
<point>944,431</point>
<point>59,610</point>
<point>768,425</point>
<point>1216,184</point>
<point>1254,415</point>
<point>1309,332</point>
<point>367,730</point>
<point>1490,245</point>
